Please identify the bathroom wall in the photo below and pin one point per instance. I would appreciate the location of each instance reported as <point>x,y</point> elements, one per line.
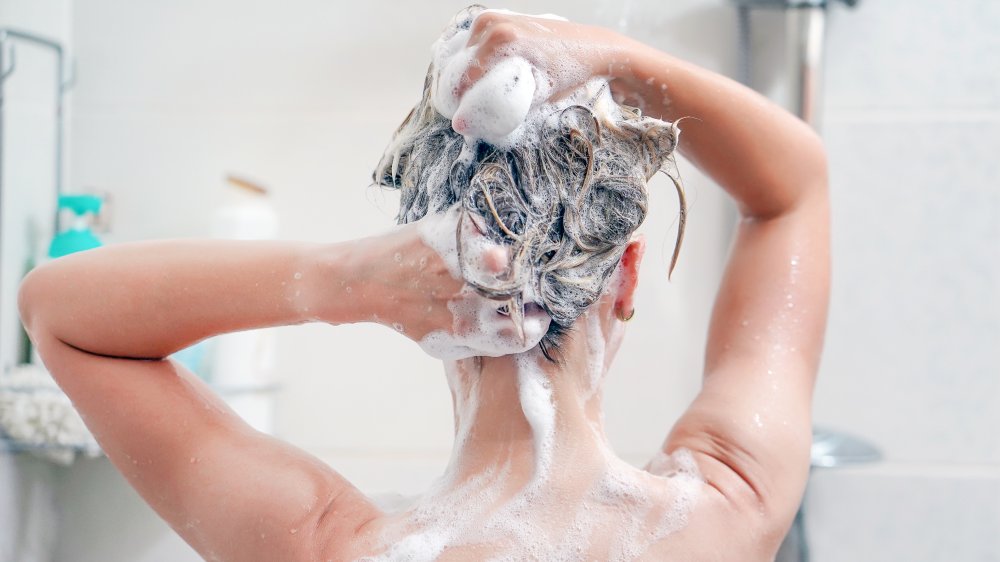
<point>303,96</point>
<point>27,486</point>
<point>28,166</point>
<point>912,125</point>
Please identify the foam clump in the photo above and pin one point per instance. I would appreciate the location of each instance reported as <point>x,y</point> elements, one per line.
<point>495,108</point>
<point>478,328</point>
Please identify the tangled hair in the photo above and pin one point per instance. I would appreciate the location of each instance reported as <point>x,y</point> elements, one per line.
<point>566,198</point>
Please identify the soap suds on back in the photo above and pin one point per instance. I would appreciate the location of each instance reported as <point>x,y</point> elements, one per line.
<point>536,522</point>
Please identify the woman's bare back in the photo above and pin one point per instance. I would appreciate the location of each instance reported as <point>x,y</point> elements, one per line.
<point>628,515</point>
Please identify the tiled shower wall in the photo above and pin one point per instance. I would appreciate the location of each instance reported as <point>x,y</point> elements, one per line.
<point>27,486</point>
<point>912,126</point>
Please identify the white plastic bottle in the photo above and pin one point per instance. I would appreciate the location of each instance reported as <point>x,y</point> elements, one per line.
<point>242,364</point>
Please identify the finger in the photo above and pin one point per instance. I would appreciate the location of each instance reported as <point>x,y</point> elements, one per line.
<point>491,42</point>
<point>482,24</point>
<point>515,308</point>
<point>496,260</point>
<point>472,74</point>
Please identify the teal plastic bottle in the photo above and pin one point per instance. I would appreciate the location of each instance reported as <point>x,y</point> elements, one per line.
<point>78,237</point>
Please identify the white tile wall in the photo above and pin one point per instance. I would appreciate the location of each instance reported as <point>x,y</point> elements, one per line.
<point>27,505</point>
<point>914,55</point>
<point>912,128</point>
<point>103,519</point>
<point>931,513</point>
<point>915,322</point>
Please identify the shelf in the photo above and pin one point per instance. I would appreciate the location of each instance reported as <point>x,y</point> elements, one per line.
<point>9,445</point>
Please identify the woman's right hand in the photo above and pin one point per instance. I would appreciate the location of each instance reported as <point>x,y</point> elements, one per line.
<point>410,280</point>
<point>565,53</point>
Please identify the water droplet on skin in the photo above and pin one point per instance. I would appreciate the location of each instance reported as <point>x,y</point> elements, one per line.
<point>790,305</point>
<point>348,288</point>
<point>795,261</point>
<point>293,531</point>
<point>193,460</point>
<point>298,275</point>
<point>745,323</point>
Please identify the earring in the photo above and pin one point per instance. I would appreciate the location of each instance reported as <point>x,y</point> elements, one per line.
<point>622,317</point>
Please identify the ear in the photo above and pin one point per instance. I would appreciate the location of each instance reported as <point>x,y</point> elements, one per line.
<point>629,277</point>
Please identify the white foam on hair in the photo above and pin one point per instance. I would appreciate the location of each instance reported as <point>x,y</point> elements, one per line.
<point>495,107</point>
<point>478,329</point>
<point>499,106</point>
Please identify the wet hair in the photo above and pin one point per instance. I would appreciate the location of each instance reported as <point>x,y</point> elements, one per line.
<point>566,197</point>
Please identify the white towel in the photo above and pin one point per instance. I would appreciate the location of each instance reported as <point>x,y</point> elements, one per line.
<point>36,416</point>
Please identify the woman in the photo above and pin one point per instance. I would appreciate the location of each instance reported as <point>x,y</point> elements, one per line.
<point>530,477</point>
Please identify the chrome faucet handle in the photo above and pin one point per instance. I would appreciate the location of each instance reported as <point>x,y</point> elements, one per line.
<point>831,449</point>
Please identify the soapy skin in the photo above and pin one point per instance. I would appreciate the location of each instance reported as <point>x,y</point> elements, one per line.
<point>531,476</point>
<point>495,108</point>
<point>481,327</point>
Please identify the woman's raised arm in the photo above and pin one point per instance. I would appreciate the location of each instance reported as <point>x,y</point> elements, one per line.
<point>104,320</point>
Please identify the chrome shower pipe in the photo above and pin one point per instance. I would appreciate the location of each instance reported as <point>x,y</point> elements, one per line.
<point>7,41</point>
<point>805,31</point>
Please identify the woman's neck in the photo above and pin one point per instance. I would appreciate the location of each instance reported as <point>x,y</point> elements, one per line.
<point>531,417</point>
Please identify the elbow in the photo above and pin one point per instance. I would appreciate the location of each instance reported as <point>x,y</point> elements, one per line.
<point>28,300</point>
<point>800,182</point>
<point>814,172</point>
<point>33,299</point>
<point>820,165</point>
